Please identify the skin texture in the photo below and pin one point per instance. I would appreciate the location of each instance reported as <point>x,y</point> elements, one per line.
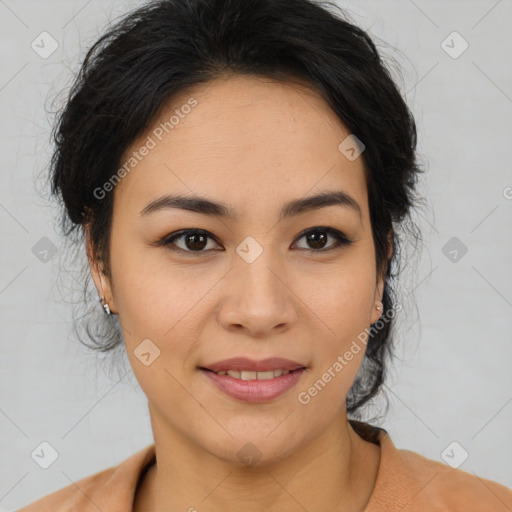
<point>253,144</point>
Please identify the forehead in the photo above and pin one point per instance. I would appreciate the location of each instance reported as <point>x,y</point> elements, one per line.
<point>243,137</point>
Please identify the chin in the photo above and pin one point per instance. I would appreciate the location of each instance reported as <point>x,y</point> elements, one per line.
<point>255,446</point>
<point>252,453</point>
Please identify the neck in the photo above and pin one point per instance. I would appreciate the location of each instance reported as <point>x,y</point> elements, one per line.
<point>335,471</point>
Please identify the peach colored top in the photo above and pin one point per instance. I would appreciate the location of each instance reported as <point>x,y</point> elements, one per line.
<point>406,482</point>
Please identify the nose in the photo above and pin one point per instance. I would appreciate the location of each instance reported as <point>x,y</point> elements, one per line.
<point>258,297</point>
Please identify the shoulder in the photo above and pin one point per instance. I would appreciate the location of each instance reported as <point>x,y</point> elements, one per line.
<point>72,497</point>
<point>410,482</point>
<point>112,489</point>
<point>433,485</point>
<point>455,489</point>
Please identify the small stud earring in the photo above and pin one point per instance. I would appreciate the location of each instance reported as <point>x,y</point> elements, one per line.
<point>379,306</point>
<point>105,306</point>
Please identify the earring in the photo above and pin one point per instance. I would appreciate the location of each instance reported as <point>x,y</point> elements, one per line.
<point>105,306</point>
<point>379,306</point>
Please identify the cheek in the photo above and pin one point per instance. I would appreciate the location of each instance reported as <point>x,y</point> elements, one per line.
<point>341,298</point>
<point>340,306</point>
<point>151,295</point>
<point>161,301</point>
<point>159,323</point>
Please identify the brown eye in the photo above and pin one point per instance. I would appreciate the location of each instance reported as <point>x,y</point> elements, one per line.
<point>195,241</point>
<point>316,239</point>
<point>192,240</point>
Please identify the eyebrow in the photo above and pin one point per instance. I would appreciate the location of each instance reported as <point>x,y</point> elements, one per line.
<point>293,208</point>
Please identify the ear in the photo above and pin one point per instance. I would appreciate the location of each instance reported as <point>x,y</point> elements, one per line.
<point>101,281</point>
<point>379,290</point>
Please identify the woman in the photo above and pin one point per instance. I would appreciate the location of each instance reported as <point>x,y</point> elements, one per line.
<point>238,171</point>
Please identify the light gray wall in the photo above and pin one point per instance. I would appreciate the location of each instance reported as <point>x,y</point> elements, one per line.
<point>452,380</point>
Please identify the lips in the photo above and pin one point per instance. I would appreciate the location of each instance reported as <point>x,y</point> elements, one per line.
<point>254,381</point>
<point>244,364</point>
<point>254,390</point>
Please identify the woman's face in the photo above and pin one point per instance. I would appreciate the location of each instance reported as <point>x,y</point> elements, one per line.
<point>259,283</point>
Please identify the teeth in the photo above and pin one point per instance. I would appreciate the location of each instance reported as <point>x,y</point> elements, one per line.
<point>249,375</point>
<point>265,375</point>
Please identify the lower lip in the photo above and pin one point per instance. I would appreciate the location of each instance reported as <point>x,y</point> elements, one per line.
<point>255,390</point>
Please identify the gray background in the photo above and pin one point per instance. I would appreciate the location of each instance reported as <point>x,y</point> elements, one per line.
<point>451,381</point>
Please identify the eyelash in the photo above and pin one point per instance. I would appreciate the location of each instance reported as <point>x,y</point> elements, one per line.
<point>341,239</point>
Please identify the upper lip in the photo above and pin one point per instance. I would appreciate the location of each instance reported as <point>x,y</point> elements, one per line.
<point>243,363</point>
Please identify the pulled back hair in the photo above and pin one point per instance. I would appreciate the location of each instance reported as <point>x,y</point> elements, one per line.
<point>167,46</point>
